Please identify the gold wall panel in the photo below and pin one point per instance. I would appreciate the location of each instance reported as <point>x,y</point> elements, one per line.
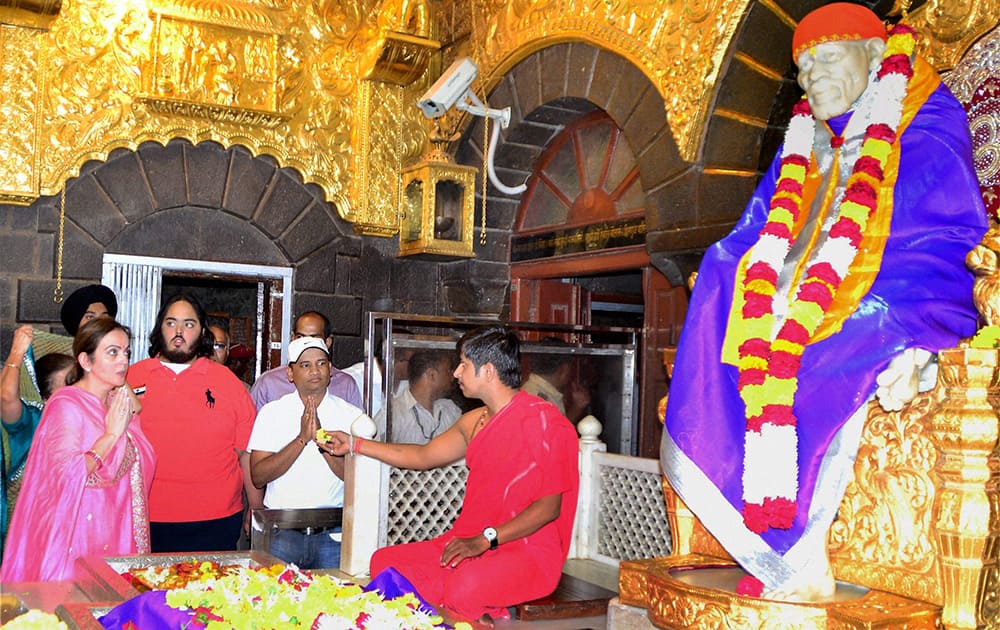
<point>21,82</point>
<point>284,78</point>
<point>276,76</point>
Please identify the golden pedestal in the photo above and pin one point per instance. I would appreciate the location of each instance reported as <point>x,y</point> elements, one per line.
<point>915,544</point>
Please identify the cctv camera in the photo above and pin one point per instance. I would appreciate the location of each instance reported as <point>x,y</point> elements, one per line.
<point>449,88</point>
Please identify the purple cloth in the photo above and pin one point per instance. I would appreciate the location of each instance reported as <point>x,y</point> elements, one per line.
<point>149,610</point>
<point>921,297</point>
<point>274,384</point>
<point>391,584</point>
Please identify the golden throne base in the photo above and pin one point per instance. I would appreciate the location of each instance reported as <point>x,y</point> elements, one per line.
<point>918,529</point>
<point>674,596</point>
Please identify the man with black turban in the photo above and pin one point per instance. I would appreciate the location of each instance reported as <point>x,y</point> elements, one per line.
<point>85,304</point>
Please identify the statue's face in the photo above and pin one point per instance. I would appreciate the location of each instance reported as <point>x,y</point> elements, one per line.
<point>835,74</point>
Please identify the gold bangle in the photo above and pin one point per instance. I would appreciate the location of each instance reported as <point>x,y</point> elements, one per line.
<point>13,365</point>
<point>97,458</point>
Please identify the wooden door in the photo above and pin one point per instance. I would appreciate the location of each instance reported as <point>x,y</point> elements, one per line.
<point>665,307</point>
<point>548,302</point>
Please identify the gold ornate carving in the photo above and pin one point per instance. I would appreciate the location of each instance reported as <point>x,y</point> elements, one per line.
<point>678,45</point>
<point>403,45</point>
<point>984,261</point>
<point>882,536</point>
<point>387,136</point>
<point>218,113</point>
<point>279,77</point>
<point>399,58</point>
<point>949,27</point>
<point>211,65</point>
<point>19,80</point>
<point>116,74</point>
<point>283,77</point>
<point>968,512</point>
<point>676,598</point>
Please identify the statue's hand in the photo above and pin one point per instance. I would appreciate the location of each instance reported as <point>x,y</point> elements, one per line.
<point>898,383</point>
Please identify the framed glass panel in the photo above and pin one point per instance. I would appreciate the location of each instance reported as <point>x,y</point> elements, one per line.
<point>564,365</point>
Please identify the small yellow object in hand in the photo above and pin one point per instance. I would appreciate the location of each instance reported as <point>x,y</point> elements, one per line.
<point>322,437</point>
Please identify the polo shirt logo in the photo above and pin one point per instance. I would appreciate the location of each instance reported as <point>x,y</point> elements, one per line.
<point>209,399</point>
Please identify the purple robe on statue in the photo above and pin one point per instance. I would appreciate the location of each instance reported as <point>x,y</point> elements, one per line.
<point>62,512</point>
<point>921,297</point>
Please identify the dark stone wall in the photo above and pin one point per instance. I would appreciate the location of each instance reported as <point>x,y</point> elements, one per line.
<point>212,203</point>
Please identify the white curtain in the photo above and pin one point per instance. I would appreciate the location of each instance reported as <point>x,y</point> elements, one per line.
<point>137,287</point>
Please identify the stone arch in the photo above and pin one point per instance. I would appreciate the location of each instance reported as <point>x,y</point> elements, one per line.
<point>690,205</point>
<point>550,88</point>
<point>203,202</point>
<point>578,78</point>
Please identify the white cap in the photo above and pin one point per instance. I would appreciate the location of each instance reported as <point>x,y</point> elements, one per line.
<point>300,345</point>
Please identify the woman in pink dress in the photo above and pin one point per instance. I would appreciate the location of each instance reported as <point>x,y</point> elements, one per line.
<point>89,469</point>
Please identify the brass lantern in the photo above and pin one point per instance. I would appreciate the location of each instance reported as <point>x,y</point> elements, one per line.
<point>436,217</point>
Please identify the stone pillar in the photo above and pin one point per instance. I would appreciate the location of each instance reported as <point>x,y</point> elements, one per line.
<point>361,504</point>
<point>581,546</point>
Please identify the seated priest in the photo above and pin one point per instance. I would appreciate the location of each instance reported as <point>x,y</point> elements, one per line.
<point>511,539</point>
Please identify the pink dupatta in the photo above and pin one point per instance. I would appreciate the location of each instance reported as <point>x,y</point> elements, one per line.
<point>62,512</point>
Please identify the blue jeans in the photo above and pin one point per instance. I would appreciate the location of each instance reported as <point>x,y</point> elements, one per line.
<point>307,551</point>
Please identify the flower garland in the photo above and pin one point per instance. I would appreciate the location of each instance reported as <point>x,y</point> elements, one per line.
<point>769,363</point>
<point>36,619</point>
<point>282,597</point>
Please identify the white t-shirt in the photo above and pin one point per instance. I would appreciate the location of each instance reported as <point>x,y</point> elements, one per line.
<point>357,372</point>
<point>308,482</point>
<point>412,424</point>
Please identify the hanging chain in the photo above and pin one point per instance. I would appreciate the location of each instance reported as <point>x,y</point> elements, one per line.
<point>486,135</point>
<point>57,296</point>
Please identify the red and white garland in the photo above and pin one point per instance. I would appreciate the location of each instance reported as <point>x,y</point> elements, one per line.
<point>769,360</point>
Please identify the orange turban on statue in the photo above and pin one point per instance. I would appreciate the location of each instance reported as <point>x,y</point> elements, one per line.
<point>836,22</point>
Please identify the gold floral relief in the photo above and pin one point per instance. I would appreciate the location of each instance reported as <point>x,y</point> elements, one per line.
<point>276,76</point>
<point>20,81</point>
<point>882,537</point>
<point>949,27</point>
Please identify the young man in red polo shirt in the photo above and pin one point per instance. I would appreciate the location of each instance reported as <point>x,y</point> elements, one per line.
<point>198,416</point>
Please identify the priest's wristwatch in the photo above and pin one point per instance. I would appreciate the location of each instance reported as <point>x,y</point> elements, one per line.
<point>490,534</point>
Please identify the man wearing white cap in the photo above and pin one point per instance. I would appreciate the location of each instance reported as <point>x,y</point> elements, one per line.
<point>296,474</point>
